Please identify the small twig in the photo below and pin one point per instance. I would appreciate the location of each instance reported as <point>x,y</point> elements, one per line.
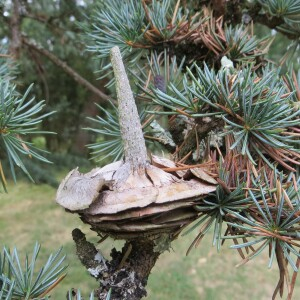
<point>52,286</point>
<point>182,160</point>
<point>15,30</point>
<point>67,69</point>
<point>187,167</point>
<point>103,239</point>
<point>124,258</point>
<point>293,282</point>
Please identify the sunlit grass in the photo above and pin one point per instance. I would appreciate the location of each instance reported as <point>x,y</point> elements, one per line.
<point>28,213</point>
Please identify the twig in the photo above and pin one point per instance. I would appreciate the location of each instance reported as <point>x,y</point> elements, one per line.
<point>67,69</point>
<point>293,282</point>
<point>15,21</point>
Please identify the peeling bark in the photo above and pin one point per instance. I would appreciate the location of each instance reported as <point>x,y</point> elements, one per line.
<point>189,142</point>
<point>85,250</point>
<point>126,274</point>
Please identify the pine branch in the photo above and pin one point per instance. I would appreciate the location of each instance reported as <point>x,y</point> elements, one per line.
<point>234,12</point>
<point>67,69</point>
<point>37,17</point>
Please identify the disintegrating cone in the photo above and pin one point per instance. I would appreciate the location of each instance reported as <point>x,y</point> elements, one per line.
<point>156,202</point>
<point>134,198</point>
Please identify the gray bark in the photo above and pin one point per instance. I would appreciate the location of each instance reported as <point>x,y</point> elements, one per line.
<point>132,135</point>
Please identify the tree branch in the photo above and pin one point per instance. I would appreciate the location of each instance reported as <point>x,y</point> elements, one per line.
<point>15,42</point>
<point>126,273</point>
<point>37,17</point>
<point>67,69</point>
<point>234,10</point>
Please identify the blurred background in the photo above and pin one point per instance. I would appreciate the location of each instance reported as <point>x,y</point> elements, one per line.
<point>53,56</point>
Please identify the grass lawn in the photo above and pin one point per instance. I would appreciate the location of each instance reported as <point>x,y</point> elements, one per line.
<point>28,213</point>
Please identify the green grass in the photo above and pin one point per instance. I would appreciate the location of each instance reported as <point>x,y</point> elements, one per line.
<point>28,213</point>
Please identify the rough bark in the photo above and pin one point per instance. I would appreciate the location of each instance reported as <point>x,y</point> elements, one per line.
<point>219,7</point>
<point>126,274</point>
<point>85,250</point>
<point>131,130</point>
<point>188,143</point>
<point>15,42</point>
